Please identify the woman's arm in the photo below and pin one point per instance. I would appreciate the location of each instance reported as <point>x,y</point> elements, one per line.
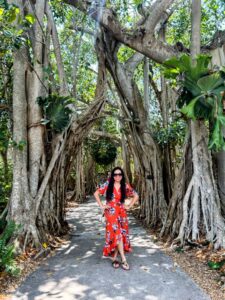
<point>96,194</point>
<point>97,197</point>
<point>131,193</point>
<point>133,201</point>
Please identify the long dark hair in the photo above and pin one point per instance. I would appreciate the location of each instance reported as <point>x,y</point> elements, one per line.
<point>109,191</point>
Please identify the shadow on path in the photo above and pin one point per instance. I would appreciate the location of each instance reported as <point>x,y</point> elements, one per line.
<point>78,270</point>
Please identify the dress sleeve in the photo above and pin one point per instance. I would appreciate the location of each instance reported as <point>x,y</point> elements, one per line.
<point>130,192</point>
<point>103,187</point>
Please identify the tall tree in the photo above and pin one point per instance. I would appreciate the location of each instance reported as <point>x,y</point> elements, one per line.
<point>39,179</point>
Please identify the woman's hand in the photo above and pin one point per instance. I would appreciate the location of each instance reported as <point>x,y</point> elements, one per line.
<point>127,207</point>
<point>105,206</point>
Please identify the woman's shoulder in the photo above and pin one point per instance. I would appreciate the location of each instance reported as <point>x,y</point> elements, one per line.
<point>130,190</point>
<point>104,184</point>
<point>128,185</point>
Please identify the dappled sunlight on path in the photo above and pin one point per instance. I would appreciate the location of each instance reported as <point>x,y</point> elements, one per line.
<point>78,270</point>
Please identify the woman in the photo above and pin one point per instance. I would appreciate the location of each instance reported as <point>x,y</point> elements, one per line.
<point>117,235</point>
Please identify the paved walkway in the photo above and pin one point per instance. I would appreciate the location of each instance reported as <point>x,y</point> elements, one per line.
<point>78,270</point>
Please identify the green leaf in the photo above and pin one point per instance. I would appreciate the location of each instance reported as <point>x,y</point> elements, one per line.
<point>30,18</point>
<point>203,109</point>
<point>137,2</point>
<point>221,119</point>
<point>210,82</point>
<point>189,110</point>
<point>21,145</point>
<point>179,250</point>
<point>173,62</point>
<point>216,265</point>
<point>12,14</point>
<point>191,86</point>
<point>56,110</point>
<point>216,141</point>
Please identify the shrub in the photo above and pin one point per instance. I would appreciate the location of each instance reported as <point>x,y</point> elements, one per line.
<point>7,258</point>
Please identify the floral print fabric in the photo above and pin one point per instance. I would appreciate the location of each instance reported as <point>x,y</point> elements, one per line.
<point>116,221</point>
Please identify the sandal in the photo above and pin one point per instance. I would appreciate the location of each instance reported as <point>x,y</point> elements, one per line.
<point>125,265</point>
<point>115,264</point>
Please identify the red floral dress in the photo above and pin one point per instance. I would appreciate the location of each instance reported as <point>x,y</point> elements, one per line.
<point>116,221</point>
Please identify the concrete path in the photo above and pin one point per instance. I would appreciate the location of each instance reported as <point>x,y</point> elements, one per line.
<point>78,270</point>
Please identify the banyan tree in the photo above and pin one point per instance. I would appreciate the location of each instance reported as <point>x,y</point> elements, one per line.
<point>51,120</point>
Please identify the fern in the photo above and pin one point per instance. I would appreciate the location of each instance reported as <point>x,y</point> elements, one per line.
<point>7,260</point>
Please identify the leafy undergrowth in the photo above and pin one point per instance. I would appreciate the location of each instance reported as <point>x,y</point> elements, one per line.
<point>28,262</point>
<point>200,265</point>
<point>199,260</point>
<point>7,258</point>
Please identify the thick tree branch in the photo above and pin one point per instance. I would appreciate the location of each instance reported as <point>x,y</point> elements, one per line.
<point>55,39</point>
<point>158,10</point>
<point>133,62</point>
<point>112,137</point>
<point>155,88</point>
<point>144,43</point>
<point>143,39</point>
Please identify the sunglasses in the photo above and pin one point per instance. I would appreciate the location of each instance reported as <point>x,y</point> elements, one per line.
<point>117,174</point>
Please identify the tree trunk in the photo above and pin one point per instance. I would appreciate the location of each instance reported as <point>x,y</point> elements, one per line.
<point>142,144</point>
<point>38,204</point>
<point>201,213</point>
<point>4,156</point>
<point>146,86</point>
<point>79,190</point>
<point>90,183</point>
<point>126,156</point>
<point>218,58</point>
<point>35,89</point>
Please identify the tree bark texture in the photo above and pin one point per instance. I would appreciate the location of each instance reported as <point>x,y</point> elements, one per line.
<point>201,212</point>
<point>39,179</point>
<point>144,148</point>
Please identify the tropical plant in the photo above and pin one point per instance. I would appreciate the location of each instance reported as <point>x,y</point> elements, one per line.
<point>202,93</point>
<point>5,163</point>
<point>173,134</point>
<point>103,151</point>
<point>56,111</point>
<point>7,260</point>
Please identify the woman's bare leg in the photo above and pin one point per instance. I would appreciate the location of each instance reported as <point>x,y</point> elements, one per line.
<point>121,250</point>
<point>115,262</point>
<point>115,254</point>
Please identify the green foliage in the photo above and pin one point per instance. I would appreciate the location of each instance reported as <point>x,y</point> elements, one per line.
<point>5,165</point>
<point>5,133</point>
<point>202,93</point>
<point>103,151</point>
<point>5,184</point>
<point>216,265</point>
<point>179,249</point>
<point>56,110</point>
<point>179,24</point>
<point>19,145</point>
<point>13,35</point>
<point>7,261</point>
<point>124,53</point>
<point>171,135</point>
